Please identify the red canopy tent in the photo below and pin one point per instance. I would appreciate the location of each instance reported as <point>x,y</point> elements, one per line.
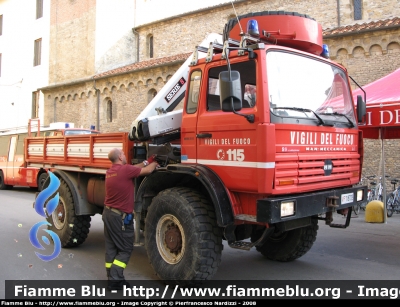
<point>383,113</point>
<point>383,107</point>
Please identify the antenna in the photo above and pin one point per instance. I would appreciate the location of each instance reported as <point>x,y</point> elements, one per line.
<point>241,30</point>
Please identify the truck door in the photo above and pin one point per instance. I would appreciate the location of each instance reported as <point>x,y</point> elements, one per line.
<point>189,120</point>
<point>10,159</point>
<point>226,142</point>
<point>21,175</point>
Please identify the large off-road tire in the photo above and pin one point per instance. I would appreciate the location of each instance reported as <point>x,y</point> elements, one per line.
<point>389,206</point>
<point>3,186</point>
<point>70,228</point>
<point>42,179</point>
<point>182,238</point>
<point>290,245</point>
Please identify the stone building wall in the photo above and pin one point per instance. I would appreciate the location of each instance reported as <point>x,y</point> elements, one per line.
<point>370,56</point>
<point>129,94</point>
<point>72,43</point>
<point>180,34</point>
<point>367,56</point>
<point>372,10</point>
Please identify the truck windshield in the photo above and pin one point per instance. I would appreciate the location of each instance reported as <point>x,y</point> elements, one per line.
<point>303,87</point>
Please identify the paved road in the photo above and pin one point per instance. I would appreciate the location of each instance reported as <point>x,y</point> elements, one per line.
<point>364,251</point>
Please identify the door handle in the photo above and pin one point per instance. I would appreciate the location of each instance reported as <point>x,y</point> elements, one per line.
<point>204,135</point>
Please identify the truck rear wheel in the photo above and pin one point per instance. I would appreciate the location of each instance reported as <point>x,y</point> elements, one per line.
<point>70,228</point>
<point>183,240</point>
<point>41,181</point>
<point>289,245</point>
<point>3,186</point>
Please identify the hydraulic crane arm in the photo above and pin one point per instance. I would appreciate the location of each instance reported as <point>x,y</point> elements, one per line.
<point>159,116</point>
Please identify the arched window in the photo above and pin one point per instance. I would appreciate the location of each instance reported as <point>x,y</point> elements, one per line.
<point>151,94</point>
<point>109,111</point>
<point>150,52</point>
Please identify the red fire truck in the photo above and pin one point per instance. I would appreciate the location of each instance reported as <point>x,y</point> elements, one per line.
<point>257,169</point>
<point>13,168</point>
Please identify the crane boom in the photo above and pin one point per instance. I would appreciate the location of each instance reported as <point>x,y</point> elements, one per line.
<point>159,116</point>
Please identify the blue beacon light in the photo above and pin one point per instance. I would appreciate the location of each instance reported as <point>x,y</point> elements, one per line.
<point>252,27</point>
<point>66,125</point>
<point>325,51</point>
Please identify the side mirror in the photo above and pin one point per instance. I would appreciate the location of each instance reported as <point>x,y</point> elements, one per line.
<point>230,91</point>
<point>361,109</point>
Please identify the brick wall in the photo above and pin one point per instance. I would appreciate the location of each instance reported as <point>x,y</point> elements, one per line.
<point>72,30</point>
<point>129,93</point>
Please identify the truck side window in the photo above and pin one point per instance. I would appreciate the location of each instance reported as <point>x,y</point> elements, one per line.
<point>20,143</point>
<point>213,101</point>
<point>194,89</point>
<point>247,72</point>
<point>4,140</point>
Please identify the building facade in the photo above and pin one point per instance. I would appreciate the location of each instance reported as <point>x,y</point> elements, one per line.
<point>24,60</point>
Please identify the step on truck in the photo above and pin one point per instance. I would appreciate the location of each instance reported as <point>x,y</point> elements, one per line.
<point>257,139</point>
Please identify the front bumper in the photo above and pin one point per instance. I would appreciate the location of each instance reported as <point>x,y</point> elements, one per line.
<point>307,204</point>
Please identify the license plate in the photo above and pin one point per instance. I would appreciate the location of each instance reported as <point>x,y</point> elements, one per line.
<point>347,198</point>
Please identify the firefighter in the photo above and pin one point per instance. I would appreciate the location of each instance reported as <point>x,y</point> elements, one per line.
<point>118,214</point>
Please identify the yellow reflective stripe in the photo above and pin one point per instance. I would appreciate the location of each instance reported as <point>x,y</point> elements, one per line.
<point>108,265</point>
<point>119,263</point>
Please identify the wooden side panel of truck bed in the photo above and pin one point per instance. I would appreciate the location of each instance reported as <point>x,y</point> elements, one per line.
<point>77,151</point>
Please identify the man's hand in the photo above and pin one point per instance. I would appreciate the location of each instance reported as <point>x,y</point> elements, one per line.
<point>149,167</point>
<point>152,158</point>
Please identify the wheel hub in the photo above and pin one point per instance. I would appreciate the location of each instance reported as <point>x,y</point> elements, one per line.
<point>170,239</point>
<point>58,215</point>
<point>173,238</point>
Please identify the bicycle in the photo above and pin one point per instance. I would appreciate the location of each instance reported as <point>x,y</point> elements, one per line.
<point>371,189</point>
<point>374,192</point>
<point>393,201</point>
<point>377,191</point>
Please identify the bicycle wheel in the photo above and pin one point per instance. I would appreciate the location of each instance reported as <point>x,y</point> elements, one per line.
<point>389,205</point>
<point>373,196</point>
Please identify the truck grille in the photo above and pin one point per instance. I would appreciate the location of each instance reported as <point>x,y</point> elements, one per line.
<point>305,171</point>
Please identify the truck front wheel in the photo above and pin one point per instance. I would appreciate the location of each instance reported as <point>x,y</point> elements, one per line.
<point>289,245</point>
<point>183,240</point>
<point>70,228</point>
